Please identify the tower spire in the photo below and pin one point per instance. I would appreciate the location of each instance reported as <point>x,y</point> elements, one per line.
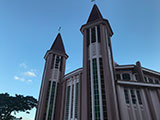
<point>95,14</point>
<point>58,44</point>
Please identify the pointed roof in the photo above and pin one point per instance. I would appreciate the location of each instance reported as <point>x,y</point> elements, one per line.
<point>58,44</point>
<point>95,14</point>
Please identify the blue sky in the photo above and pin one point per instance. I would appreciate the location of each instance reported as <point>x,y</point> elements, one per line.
<point>29,27</point>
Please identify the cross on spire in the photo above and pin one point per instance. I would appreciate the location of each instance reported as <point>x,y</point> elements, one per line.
<point>93,1</point>
<point>59,29</point>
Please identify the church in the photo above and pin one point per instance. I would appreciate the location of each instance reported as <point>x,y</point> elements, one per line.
<point>101,89</point>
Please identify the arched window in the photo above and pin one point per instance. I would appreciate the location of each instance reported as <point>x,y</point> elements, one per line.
<point>156,81</point>
<point>126,76</point>
<point>118,77</point>
<point>150,80</point>
<point>137,78</point>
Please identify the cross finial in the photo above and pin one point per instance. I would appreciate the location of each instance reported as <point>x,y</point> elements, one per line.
<point>59,29</point>
<point>93,1</point>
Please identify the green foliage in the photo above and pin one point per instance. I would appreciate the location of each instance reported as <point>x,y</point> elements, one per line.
<point>14,104</point>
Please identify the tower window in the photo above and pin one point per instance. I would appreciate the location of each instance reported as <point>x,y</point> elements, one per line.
<point>103,90</point>
<point>156,81</point>
<point>126,96</point>
<point>57,62</point>
<point>88,37</point>
<point>126,76</point>
<point>52,100</point>
<point>150,80</point>
<point>67,103</point>
<point>118,77</point>
<point>46,103</point>
<point>55,113</point>
<point>137,77</point>
<point>96,90</point>
<point>145,78</point>
<point>99,35</point>
<point>72,101</point>
<point>133,96</point>
<point>90,98</point>
<point>93,35</point>
<point>61,63</point>
<point>52,63</point>
<point>139,97</point>
<point>76,104</point>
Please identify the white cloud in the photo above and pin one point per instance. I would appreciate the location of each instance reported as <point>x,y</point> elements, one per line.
<point>30,74</point>
<point>29,81</point>
<point>23,65</point>
<point>26,74</point>
<point>16,77</point>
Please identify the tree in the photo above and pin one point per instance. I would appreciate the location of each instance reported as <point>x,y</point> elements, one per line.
<point>14,104</point>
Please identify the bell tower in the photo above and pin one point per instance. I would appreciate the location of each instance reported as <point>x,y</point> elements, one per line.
<point>50,98</point>
<point>98,93</point>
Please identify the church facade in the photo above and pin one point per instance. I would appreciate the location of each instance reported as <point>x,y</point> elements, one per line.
<point>101,89</point>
